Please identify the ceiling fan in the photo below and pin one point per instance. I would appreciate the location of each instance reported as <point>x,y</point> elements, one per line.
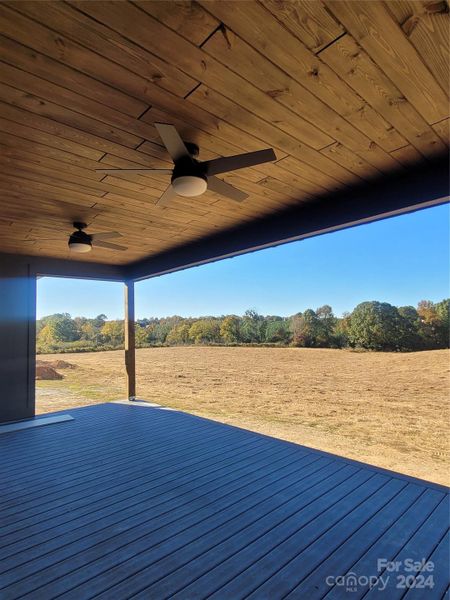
<point>82,242</point>
<point>191,177</point>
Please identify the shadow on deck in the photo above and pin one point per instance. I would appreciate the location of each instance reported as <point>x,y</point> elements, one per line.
<point>131,501</point>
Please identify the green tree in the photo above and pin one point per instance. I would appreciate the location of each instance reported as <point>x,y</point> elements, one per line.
<point>99,321</point>
<point>205,331</point>
<point>434,323</point>
<point>294,323</point>
<point>230,329</point>
<point>251,327</point>
<point>340,332</point>
<point>179,334</point>
<point>375,326</point>
<point>62,328</point>
<point>443,325</point>
<point>44,340</point>
<point>325,326</point>
<point>307,329</point>
<point>277,331</point>
<point>89,332</point>
<point>113,332</point>
<point>141,335</point>
<point>409,336</point>
<point>162,327</point>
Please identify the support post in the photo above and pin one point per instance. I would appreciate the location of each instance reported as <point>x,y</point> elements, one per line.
<point>130,345</point>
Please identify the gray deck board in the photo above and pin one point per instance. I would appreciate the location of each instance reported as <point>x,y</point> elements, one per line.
<point>357,543</point>
<point>132,501</point>
<point>29,423</point>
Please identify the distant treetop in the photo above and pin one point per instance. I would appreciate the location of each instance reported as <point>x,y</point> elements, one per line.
<point>372,325</point>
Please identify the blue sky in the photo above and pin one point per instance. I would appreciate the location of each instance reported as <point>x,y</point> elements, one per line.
<point>399,260</point>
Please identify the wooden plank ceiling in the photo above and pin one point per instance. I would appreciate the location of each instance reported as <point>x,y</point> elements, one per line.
<point>342,90</point>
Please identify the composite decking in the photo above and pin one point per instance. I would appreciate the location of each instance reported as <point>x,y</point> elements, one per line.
<point>127,501</point>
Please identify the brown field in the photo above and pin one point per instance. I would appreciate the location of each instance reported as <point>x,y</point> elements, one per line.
<point>387,409</point>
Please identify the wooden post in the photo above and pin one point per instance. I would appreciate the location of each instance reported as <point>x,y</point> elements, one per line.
<point>130,346</point>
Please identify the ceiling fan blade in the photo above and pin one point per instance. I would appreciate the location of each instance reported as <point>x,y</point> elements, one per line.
<point>133,171</point>
<point>167,196</point>
<point>108,235</point>
<point>41,239</point>
<point>172,141</point>
<point>225,189</point>
<point>239,161</point>
<point>108,245</point>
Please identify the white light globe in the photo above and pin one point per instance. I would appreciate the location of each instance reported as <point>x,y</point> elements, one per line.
<point>79,248</point>
<point>189,186</point>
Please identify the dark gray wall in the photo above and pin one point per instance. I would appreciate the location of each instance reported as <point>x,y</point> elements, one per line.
<point>17,338</point>
<point>18,276</point>
<point>59,267</point>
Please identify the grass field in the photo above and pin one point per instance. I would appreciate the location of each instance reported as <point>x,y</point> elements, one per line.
<point>387,409</point>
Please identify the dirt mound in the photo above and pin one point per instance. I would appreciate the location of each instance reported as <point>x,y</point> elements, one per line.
<point>47,372</point>
<point>62,364</point>
<point>55,364</point>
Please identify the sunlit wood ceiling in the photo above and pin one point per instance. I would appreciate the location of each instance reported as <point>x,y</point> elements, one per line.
<point>342,90</point>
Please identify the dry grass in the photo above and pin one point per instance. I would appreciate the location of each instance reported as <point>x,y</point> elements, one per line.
<point>383,408</point>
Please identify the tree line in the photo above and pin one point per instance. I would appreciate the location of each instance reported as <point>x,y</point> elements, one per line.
<point>371,325</point>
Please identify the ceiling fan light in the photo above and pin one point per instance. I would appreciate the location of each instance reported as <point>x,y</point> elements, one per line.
<point>189,185</point>
<point>80,247</point>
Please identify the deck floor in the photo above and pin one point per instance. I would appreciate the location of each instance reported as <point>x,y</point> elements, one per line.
<point>141,502</point>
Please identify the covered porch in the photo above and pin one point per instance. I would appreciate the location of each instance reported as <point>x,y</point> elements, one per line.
<point>127,499</point>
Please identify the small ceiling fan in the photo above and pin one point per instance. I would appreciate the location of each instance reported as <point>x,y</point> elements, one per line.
<point>82,242</point>
<point>191,177</point>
